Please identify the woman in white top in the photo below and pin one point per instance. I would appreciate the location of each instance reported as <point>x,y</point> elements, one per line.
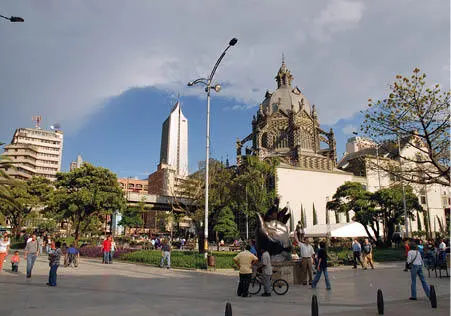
<point>414,258</point>
<point>4,248</point>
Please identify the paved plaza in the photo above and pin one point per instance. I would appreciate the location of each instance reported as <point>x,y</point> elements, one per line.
<point>130,289</point>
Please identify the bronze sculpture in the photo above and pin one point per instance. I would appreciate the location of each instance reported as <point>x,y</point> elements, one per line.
<point>272,233</point>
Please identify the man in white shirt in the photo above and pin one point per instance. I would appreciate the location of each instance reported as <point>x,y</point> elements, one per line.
<point>266,272</point>
<point>307,253</point>
<point>442,246</point>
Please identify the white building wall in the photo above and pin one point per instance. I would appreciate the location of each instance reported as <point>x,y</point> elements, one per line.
<point>307,187</point>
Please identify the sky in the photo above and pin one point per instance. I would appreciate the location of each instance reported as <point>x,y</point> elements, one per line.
<point>109,71</point>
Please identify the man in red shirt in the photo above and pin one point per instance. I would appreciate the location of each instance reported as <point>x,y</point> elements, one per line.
<point>407,247</point>
<point>106,248</point>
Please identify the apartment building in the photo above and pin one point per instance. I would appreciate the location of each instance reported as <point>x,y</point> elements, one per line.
<point>35,152</point>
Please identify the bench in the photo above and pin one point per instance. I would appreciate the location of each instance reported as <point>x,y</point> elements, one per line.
<point>234,248</point>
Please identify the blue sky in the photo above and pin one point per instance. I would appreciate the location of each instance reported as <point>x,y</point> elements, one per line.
<point>109,71</point>
<point>125,134</point>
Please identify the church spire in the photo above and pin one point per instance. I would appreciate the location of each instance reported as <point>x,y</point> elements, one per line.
<point>284,76</point>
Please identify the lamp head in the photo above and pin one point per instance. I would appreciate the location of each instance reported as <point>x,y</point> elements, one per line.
<point>16,19</point>
<point>217,87</point>
<point>233,41</point>
<point>190,84</point>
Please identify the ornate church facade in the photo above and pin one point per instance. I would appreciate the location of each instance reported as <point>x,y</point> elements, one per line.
<point>287,126</point>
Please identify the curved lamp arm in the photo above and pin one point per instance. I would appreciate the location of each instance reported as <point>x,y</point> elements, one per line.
<point>232,42</point>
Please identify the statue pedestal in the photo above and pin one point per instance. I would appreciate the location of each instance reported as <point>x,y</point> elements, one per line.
<point>290,271</point>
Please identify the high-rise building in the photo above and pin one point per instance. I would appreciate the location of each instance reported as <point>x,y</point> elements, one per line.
<point>35,152</point>
<point>173,167</point>
<point>174,141</point>
<point>76,164</point>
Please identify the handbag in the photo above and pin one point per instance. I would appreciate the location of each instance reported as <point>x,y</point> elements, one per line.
<point>410,264</point>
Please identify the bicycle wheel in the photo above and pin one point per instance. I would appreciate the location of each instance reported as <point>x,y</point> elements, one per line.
<point>255,286</point>
<point>280,286</point>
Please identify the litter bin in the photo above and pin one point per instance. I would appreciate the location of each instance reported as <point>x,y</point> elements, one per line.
<point>211,261</point>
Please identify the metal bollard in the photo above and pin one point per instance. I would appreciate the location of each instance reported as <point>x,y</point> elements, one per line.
<point>228,309</point>
<point>380,302</point>
<point>315,309</point>
<point>433,296</point>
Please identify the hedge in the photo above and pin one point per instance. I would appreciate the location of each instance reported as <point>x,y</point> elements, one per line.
<point>181,259</point>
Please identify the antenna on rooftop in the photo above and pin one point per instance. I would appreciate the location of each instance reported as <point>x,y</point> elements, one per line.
<point>37,120</point>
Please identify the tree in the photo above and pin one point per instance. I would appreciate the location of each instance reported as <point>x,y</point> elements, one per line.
<point>420,114</point>
<point>352,196</point>
<point>84,194</point>
<point>28,196</point>
<point>302,217</point>
<point>7,183</point>
<point>131,217</point>
<point>226,226</point>
<point>315,216</point>
<point>391,207</point>
<point>419,221</point>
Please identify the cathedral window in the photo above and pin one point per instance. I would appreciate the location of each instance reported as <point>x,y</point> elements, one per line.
<point>265,140</point>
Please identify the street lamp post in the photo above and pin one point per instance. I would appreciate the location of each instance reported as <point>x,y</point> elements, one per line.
<point>207,83</point>
<point>12,19</point>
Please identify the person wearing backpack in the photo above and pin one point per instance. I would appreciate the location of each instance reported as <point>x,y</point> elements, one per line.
<point>415,263</point>
<point>367,252</point>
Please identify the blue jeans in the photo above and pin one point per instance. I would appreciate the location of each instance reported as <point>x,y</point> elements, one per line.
<point>52,274</point>
<point>418,270</point>
<point>31,258</point>
<point>166,256</point>
<point>318,276</point>
<point>106,257</point>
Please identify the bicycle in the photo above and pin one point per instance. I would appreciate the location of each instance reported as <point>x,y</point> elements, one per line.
<point>279,286</point>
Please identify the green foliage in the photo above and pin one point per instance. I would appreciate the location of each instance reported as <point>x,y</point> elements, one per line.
<point>420,113</point>
<point>353,196</point>
<point>303,219</point>
<point>85,195</point>
<point>226,226</point>
<point>315,216</point>
<point>28,196</point>
<point>181,259</point>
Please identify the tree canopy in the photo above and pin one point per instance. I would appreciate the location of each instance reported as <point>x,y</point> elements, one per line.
<point>84,194</point>
<point>420,114</point>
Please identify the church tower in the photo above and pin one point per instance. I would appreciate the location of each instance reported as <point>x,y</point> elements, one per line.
<point>174,142</point>
<point>287,126</point>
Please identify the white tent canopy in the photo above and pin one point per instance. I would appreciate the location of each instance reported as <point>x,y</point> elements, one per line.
<point>343,230</point>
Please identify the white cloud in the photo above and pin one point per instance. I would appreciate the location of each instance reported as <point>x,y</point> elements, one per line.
<point>70,56</point>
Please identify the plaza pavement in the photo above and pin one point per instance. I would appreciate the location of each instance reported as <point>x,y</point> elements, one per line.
<point>131,289</point>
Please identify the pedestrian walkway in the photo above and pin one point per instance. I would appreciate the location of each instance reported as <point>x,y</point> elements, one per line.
<point>130,289</point>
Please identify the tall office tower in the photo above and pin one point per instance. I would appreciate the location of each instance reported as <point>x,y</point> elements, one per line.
<point>76,164</point>
<point>35,152</point>
<point>174,142</point>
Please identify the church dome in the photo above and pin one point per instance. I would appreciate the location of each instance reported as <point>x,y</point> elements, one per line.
<point>285,98</point>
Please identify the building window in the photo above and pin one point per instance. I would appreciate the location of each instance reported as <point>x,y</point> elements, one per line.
<point>423,199</point>
<point>265,140</point>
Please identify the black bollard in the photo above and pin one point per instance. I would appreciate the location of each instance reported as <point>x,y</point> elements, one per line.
<point>380,302</point>
<point>433,296</point>
<point>228,310</point>
<point>315,309</point>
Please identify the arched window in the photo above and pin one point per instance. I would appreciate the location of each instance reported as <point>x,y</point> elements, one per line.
<point>265,140</point>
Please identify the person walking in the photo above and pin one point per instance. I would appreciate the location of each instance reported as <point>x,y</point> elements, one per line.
<point>106,249</point>
<point>165,255</point>
<point>307,254</point>
<point>367,251</point>
<point>4,249</point>
<point>322,266</point>
<point>54,262</point>
<point>415,261</point>
<point>244,260</point>
<point>266,272</point>
<point>31,253</point>
<point>113,249</point>
<point>356,252</point>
